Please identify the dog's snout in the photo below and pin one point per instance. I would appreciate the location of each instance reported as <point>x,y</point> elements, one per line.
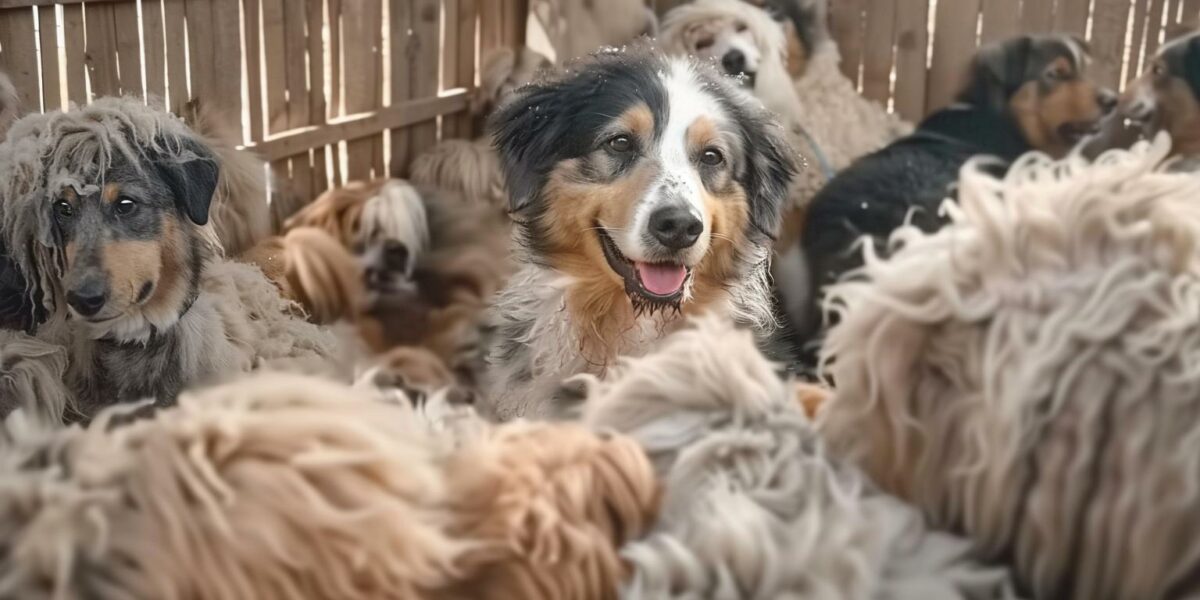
<point>675,227</point>
<point>88,298</point>
<point>1107,99</point>
<point>395,255</point>
<point>734,62</point>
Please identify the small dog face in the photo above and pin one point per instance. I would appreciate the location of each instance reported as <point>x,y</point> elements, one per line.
<point>643,172</point>
<point>729,41</point>
<point>1040,82</point>
<point>124,239</point>
<point>1167,96</point>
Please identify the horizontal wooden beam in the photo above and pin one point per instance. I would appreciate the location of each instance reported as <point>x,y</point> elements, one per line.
<point>360,125</point>
<point>30,3</point>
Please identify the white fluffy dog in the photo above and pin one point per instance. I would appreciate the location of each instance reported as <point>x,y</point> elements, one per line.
<point>1030,374</point>
<point>755,508</point>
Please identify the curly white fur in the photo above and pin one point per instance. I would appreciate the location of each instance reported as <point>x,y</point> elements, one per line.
<point>754,507</point>
<point>1030,374</point>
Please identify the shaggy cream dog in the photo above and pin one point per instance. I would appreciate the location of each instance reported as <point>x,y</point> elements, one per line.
<point>287,487</point>
<point>755,508</point>
<point>576,28</point>
<point>1029,374</point>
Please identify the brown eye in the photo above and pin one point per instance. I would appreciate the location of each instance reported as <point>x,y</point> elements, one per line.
<point>712,157</point>
<point>740,27</point>
<point>620,144</point>
<point>63,209</point>
<point>125,207</point>
<point>704,44</point>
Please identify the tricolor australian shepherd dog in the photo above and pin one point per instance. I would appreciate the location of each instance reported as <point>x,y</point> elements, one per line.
<point>644,189</point>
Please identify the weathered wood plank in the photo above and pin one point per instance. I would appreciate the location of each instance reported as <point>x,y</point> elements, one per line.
<point>1154,22</point>
<point>1072,16</point>
<point>912,42</point>
<point>19,56</point>
<point>423,68</point>
<point>1001,20</point>
<point>177,65</point>
<point>202,51</point>
<point>953,46</point>
<point>878,49</point>
<point>227,66</point>
<point>318,112</point>
<point>129,47</point>
<point>101,50</point>
<point>254,73</point>
<point>154,52</point>
<point>468,15</point>
<point>847,25</point>
<point>1108,40</point>
<point>399,20</point>
<point>1137,44</point>
<point>275,64</point>
<point>75,54</point>
<point>52,92</point>
<point>1037,16</point>
<point>361,125</point>
<point>450,50</point>
<point>361,23</point>
<point>295,46</point>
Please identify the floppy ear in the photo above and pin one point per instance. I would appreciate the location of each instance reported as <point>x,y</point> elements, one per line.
<point>996,73</point>
<point>191,174</point>
<point>770,166</point>
<point>1191,65</point>
<point>525,132</point>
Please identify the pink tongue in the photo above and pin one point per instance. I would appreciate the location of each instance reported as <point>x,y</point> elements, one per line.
<point>661,280</point>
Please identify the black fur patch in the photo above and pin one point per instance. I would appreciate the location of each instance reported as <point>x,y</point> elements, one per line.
<point>192,182</point>
<point>1183,60</point>
<point>998,71</point>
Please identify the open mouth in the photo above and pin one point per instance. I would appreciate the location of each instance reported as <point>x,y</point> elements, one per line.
<point>1074,132</point>
<point>653,285</point>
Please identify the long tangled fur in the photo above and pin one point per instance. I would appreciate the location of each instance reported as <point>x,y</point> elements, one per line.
<point>1028,374</point>
<point>310,267</point>
<point>754,505</point>
<point>287,487</point>
<point>31,377</point>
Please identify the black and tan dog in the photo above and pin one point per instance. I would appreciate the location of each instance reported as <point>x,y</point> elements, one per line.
<point>106,214</point>
<point>1166,98</point>
<point>1028,93</point>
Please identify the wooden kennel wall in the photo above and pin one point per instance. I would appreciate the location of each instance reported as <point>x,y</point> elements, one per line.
<point>327,90</point>
<point>910,54</point>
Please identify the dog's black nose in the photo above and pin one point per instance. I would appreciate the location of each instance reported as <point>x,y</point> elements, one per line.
<point>88,299</point>
<point>395,255</point>
<point>1107,99</point>
<point>734,62</point>
<point>675,227</point>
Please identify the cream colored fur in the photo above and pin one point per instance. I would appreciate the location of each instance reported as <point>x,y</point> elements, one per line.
<point>576,28</point>
<point>31,378</point>
<point>1028,374</point>
<point>285,487</point>
<point>754,506</point>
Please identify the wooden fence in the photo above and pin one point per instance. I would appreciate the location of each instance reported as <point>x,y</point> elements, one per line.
<point>911,54</point>
<point>327,90</point>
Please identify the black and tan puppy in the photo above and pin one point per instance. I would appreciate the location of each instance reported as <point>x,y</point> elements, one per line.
<point>1167,96</point>
<point>1028,93</point>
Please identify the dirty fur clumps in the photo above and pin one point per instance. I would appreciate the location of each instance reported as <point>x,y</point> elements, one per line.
<point>31,377</point>
<point>754,505</point>
<point>346,495</point>
<point>1028,375</point>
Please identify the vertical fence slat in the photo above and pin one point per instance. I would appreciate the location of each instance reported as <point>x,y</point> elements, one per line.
<point>1108,40</point>
<point>468,13</point>
<point>1154,21</point>
<point>1037,16</point>
<point>19,56</point>
<point>129,47</point>
<point>101,50</point>
<point>450,49</point>
<point>202,52</point>
<point>316,76</point>
<point>154,51</point>
<point>227,63</point>
<point>953,47</point>
<point>877,51</point>
<point>1137,58</point>
<point>912,42</point>
<point>1001,20</point>
<point>295,15</point>
<point>361,36</point>
<point>273,50</point>
<point>846,23</point>
<point>399,20</point>
<point>254,93</point>
<point>52,98</point>
<point>1191,12</point>
<point>174,25</point>
<point>423,68</point>
<point>76,68</point>
<point>1072,16</point>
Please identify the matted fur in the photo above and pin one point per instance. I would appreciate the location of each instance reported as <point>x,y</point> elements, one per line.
<point>240,214</point>
<point>31,377</point>
<point>754,507</point>
<point>470,167</point>
<point>287,487</point>
<point>312,268</point>
<point>1028,374</point>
